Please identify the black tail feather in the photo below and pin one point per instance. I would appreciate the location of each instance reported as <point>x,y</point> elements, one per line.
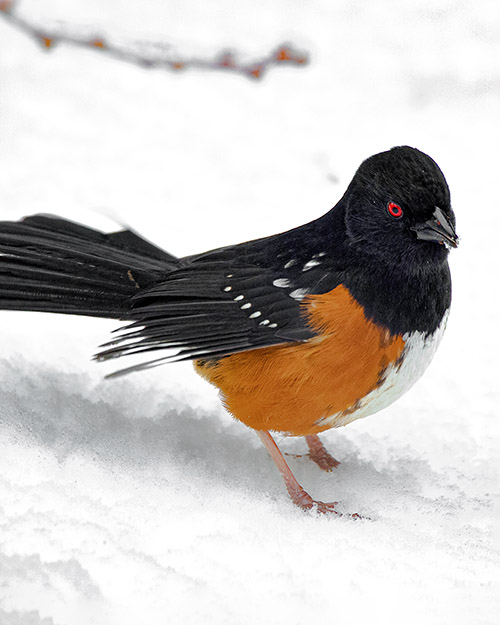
<point>50,264</point>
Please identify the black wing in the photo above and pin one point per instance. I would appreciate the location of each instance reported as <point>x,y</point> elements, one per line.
<point>228,300</point>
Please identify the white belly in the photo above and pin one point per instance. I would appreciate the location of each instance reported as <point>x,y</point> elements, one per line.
<point>417,354</point>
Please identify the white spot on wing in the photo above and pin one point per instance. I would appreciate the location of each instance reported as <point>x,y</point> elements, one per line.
<point>290,263</point>
<point>298,294</point>
<point>310,264</point>
<point>281,283</point>
<point>228,288</point>
<point>238,298</point>
<point>255,314</point>
<point>264,323</point>
<point>245,306</point>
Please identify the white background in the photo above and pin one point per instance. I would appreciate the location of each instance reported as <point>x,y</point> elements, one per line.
<point>139,500</point>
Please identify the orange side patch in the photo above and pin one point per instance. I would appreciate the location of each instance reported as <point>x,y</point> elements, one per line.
<point>289,388</point>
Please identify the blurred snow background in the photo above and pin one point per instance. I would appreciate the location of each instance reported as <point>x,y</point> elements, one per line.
<point>139,500</point>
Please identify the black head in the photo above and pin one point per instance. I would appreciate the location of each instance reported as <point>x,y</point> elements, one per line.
<point>398,209</point>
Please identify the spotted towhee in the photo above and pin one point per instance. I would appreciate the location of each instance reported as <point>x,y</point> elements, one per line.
<point>301,331</point>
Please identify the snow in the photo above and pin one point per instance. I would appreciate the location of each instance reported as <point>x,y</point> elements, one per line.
<point>139,500</point>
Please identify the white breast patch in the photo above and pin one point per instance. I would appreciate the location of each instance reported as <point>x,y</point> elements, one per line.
<point>417,354</point>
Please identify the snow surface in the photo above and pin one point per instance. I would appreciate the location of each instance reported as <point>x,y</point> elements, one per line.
<point>139,500</point>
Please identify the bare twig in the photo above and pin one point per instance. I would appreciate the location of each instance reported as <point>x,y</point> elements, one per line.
<point>158,55</point>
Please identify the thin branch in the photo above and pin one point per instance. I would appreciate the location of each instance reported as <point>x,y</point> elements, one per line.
<point>152,55</point>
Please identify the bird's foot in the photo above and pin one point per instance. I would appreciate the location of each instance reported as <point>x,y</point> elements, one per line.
<point>299,496</point>
<point>305,502</point>
<point>319,454</point>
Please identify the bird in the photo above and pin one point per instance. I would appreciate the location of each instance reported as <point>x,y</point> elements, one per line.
<point>301,331</point>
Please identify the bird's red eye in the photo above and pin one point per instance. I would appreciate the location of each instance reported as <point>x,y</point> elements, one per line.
<point>394,210</point>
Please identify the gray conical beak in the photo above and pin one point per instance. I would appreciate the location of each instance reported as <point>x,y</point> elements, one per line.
<point>438,228</point>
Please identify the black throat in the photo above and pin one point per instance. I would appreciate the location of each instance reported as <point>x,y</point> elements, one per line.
<point>401,301</point>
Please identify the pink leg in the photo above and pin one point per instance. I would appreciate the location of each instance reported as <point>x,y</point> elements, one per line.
<point>297,493</point>
<point>319,454</point>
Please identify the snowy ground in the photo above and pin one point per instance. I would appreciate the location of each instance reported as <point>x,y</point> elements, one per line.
<point>139,500</point>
